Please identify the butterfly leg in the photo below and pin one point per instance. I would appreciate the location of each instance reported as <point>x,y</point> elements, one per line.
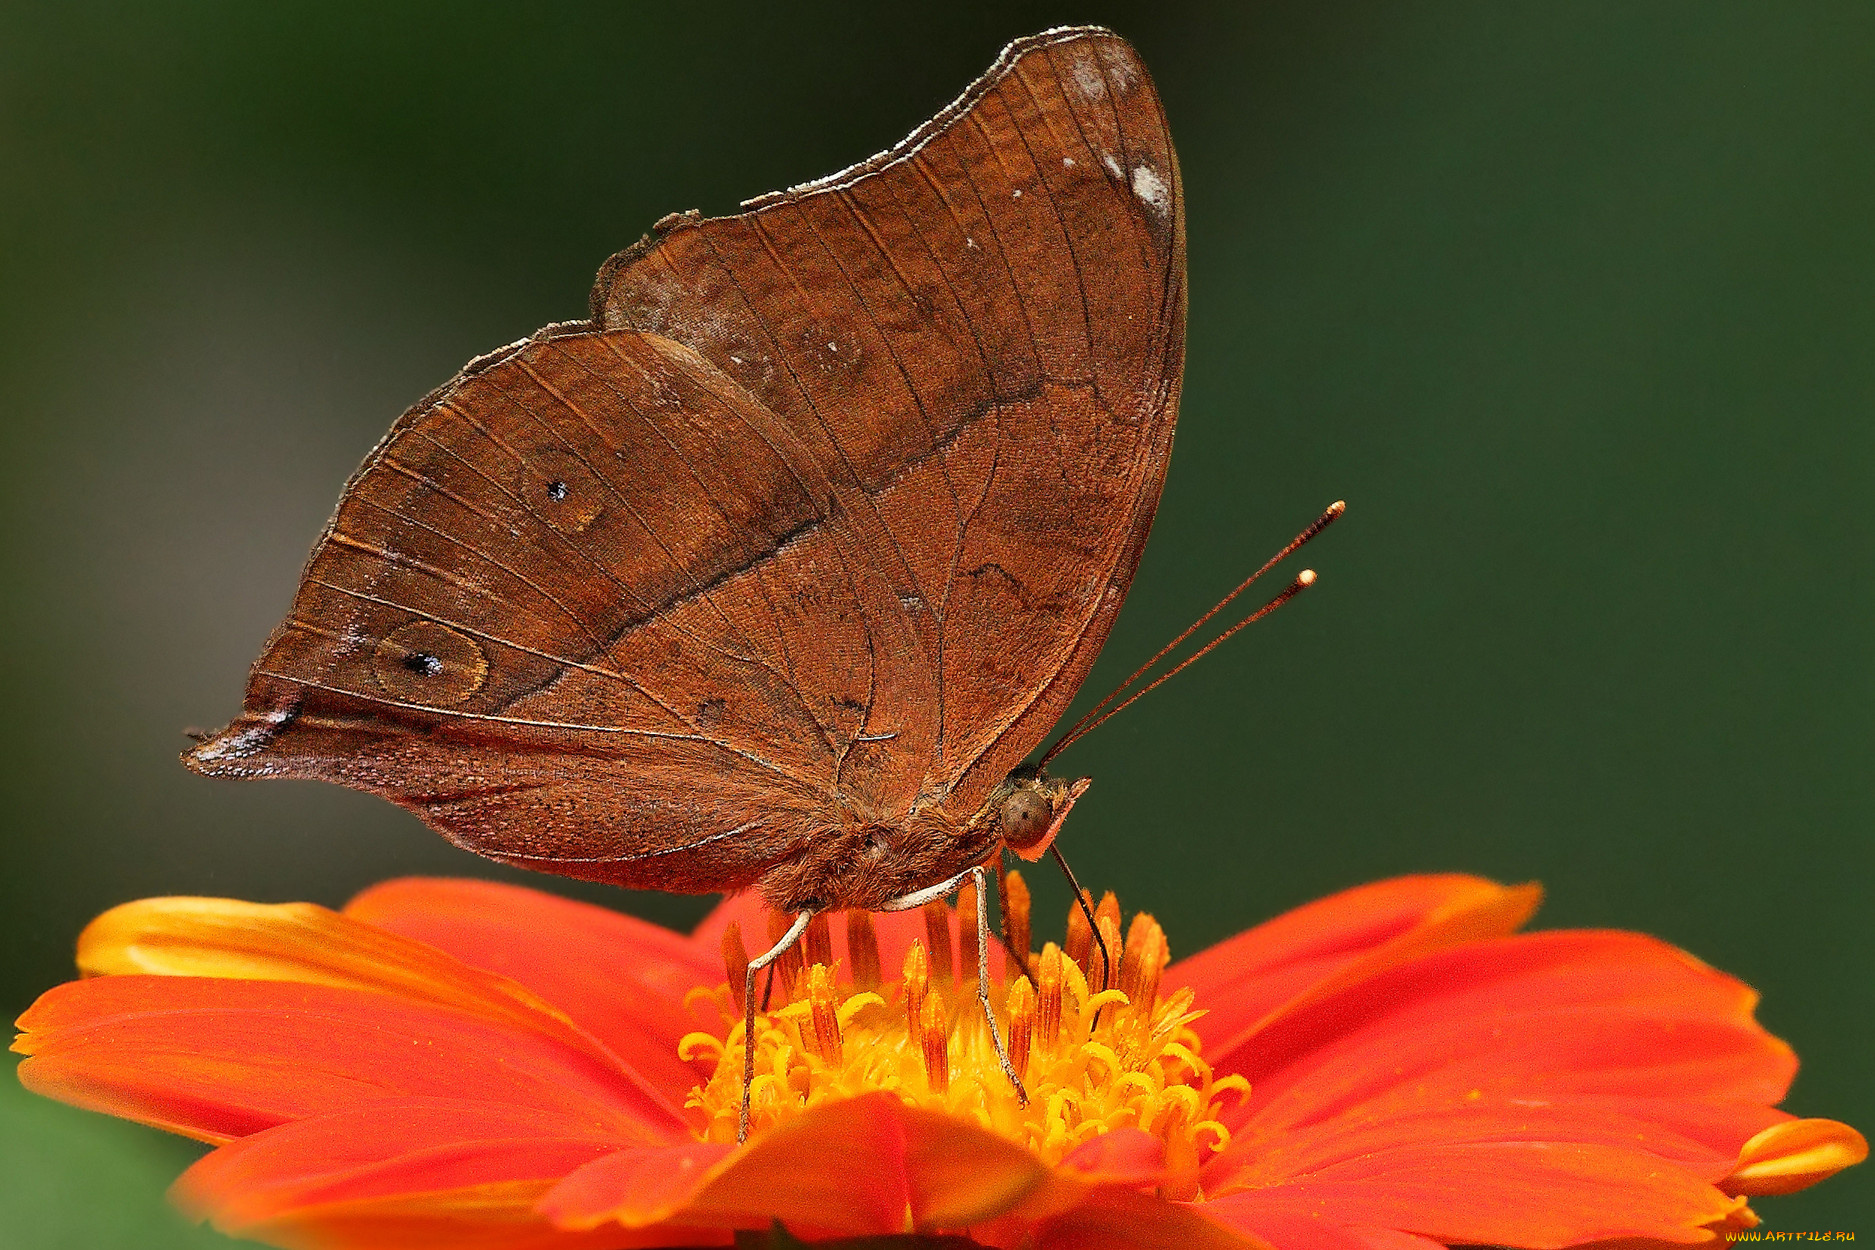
<point>931,893</point>
<point>760,962</point>
<point>983,985</point>
<point>919,898</point>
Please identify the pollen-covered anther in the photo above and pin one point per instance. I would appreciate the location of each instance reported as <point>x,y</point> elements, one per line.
<point>735,962</point>
<point>1048,997</point>
<point>1021,1007</point>
<point>1101,973</point>
<point>937,932</point>
<point>1017,919</point>
<point>1090,1061</point>
<point>1147,954</point>
<point>935,1044</point>
<point>1180,1180</point>
<point>862,950</point>
<point>818,945</point>
<point>1130,958</point>
<point>824,1003</point>
<point>916,985</point>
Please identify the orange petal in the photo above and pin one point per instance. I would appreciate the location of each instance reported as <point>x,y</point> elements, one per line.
<point>1370,1238</point>
<point>467,917</point>
<point>1563,1012</point>
<point>1535,1194</point>
<point>638,1186</point>
<point>868,1165</point>
<point>1249,981</point>
<point>622,979</point>
<point>1607,1060</point>
<point>407,1153</point>
<point>477,1217</point>
<point>1126,1158</point>
<point>1294,1155</point>
<point>1286,1228</point>
<point>300,942</point>
<point>1122,1219</point>
<point>217,1059</point>
<point>1794,1155</point>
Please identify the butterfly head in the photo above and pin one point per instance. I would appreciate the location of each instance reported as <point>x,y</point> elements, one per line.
<point>1030,807</point>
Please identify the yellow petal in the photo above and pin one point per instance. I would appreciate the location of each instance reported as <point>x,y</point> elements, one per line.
<point>313,945</point>
<point>1794,1155</point>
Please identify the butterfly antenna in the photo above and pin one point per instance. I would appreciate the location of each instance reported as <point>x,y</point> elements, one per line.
<point>1087,909</point>
<point>1105,710</point>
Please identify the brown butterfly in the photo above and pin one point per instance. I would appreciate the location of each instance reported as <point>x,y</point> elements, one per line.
<point>774,570</point>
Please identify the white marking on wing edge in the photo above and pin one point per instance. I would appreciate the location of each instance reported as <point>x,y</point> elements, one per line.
<point>1152,190</point>
<point>236,746</point>
<point>1087,76</point>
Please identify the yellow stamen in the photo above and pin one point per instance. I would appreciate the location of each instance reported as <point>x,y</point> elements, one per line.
<point>917,983</point>
<point>934,1045</point>
<point>937,933</point>
<point>1092,1060</point>
<point>1021,1005</point>
<point>862,949</point>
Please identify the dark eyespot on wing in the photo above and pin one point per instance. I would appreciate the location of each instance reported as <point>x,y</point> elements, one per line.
<point>430,663</point>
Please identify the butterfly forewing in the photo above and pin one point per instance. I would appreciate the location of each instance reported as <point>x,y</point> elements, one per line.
<point>981,332</point>
<point>817,524</point>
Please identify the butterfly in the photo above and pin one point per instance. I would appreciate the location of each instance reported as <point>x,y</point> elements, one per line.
<point>773,570</point>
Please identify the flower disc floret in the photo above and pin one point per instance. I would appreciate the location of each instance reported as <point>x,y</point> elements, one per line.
<point>1091,1060</point>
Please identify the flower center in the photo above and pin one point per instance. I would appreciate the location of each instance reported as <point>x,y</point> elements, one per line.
<point>1092,1059</point>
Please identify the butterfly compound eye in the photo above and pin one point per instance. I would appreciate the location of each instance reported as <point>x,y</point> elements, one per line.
<point>1026,817</point>
<point>425,662</point>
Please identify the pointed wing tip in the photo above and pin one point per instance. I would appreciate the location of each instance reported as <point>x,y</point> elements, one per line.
<point>243,747</point>
<point>230,751</point>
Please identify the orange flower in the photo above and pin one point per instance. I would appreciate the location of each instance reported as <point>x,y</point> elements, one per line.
<point>463,1064</point>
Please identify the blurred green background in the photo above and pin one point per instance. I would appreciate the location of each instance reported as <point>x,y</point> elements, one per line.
<point>1575,304</point>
